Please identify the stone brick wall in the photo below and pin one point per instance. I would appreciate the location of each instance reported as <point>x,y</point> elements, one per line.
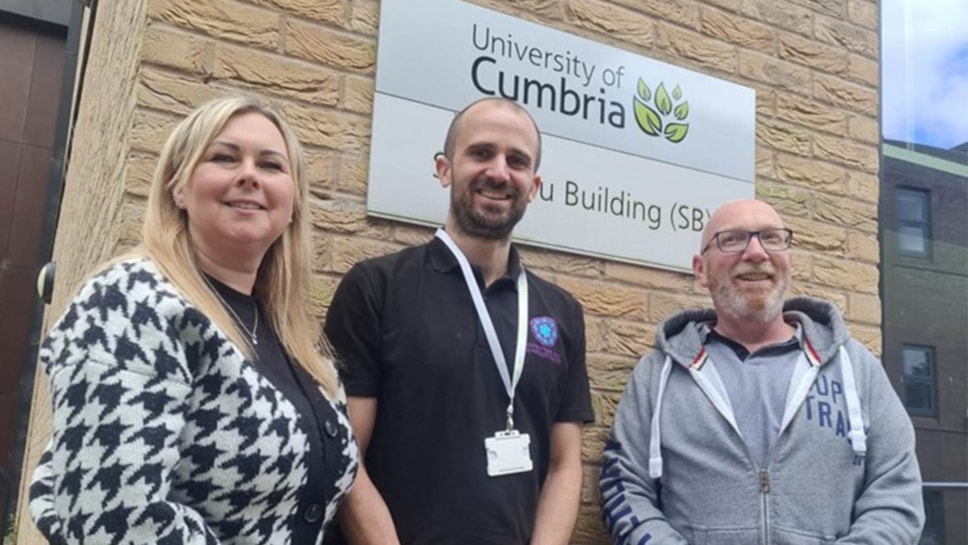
<point>813,63</point>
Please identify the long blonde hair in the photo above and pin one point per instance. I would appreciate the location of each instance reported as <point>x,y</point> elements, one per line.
<point>282,281</point>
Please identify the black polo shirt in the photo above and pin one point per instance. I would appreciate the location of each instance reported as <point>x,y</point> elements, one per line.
<point>405,330</point>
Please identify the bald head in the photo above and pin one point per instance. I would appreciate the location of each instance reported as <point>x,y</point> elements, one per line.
<point>456,124</point>
<point>748,214</point>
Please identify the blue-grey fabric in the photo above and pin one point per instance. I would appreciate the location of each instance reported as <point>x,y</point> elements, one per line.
<point>757,387</point>
<point>814,488</point>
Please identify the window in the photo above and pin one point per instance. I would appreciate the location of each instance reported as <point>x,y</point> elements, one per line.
<point>913,228</point>
<point>924,242</point>
<point>933,533</point>
<point>919,392</point>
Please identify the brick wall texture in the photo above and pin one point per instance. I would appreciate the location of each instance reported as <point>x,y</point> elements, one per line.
<point>813,63</point>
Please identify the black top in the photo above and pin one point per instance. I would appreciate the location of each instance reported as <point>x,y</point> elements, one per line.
<point>743,353</point>
<point>405,330</point>
<point>317,416</point>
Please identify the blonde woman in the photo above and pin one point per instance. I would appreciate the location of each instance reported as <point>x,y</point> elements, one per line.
<point>191,403</point>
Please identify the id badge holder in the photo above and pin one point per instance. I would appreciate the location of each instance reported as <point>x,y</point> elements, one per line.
<point>508,452</point>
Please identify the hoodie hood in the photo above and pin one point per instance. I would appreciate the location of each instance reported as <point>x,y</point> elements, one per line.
<point>679,337</point>
<point>824,339</point>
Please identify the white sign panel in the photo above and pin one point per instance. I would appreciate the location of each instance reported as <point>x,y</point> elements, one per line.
<point>636,155</point>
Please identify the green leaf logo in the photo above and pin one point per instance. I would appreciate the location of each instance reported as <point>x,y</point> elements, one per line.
<point>675,132</point>
<point>662,100</point>
<point>647,118</point>
<point>681,111</point>
<point>644,93</point>
<point>653,111</point>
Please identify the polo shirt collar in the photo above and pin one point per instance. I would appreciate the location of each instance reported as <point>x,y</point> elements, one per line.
<point>708,334</point>
<point>442,260</point>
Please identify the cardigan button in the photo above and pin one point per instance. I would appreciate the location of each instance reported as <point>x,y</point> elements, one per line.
<point>313,513</point>
<point>330,428</point>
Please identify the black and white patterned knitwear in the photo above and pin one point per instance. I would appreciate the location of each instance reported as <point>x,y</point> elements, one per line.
<point>163,431</point>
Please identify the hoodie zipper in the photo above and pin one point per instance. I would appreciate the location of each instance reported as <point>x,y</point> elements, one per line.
<point>765,492</point>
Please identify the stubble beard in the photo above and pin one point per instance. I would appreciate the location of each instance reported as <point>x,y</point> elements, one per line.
<point>751,306</point>
<point>485,222</point>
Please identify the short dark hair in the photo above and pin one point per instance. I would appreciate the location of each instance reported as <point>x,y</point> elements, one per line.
<point>454,128</point>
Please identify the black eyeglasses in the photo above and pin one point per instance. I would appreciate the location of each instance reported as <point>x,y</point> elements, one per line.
<point>735,241</point>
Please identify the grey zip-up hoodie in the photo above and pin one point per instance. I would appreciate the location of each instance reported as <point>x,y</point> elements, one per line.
<point>842,470</point>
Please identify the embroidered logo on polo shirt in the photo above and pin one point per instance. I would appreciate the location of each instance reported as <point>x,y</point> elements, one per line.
<point>545,330</point>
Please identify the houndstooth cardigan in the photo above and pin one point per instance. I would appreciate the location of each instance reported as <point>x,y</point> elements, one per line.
<point>163,432</point>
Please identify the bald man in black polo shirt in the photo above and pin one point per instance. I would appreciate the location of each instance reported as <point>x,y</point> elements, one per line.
<point>465,373</point>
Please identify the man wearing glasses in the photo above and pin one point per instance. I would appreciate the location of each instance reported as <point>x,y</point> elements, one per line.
<point>759,421</point>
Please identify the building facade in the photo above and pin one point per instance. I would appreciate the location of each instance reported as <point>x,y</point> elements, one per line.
<point>813,64</point>
<point>33,44</point>
<point>924,206</point>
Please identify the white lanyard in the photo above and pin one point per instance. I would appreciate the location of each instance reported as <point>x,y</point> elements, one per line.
<point>492,340</point>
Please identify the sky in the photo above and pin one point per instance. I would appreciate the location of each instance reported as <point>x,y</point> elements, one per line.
<point>924,88</point>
